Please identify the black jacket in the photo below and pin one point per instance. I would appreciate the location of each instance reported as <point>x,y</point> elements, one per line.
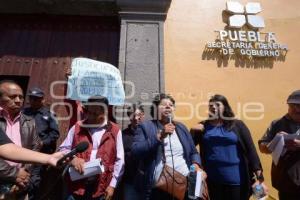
<point>286,174</point>
<point>3,138</point>
<point>29,140</point>
<point>131,166</point>
<point>46,127</point>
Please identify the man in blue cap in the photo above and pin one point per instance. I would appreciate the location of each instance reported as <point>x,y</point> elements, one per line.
<point>47,130</point>
<point>46,124</point>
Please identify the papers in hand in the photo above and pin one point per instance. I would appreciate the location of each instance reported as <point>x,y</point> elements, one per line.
<point>199,183</point>
<point>91,168</point>
<point>276,146</point>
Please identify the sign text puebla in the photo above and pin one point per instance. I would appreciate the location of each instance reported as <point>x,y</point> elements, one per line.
<point>243,37</point>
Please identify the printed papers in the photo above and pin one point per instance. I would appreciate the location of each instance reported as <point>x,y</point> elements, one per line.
<point>91,168</point>
<point>198,189</point>
<point>276,146</point>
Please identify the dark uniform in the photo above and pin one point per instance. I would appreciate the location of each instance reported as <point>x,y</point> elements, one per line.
<point>46,127</point>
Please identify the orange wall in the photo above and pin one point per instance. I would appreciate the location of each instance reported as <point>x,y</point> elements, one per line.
<point>192,79</point>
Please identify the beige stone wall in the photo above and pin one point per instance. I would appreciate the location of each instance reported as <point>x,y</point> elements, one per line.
<point>191,77</point>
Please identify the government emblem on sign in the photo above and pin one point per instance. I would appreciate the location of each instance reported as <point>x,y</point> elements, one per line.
<point>243,36</point>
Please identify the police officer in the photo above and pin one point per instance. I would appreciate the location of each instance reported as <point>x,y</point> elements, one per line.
<point>47,127</point>
<point>48,132</point>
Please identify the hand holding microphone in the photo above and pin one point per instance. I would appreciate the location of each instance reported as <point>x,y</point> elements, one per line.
<point>169,127</point>
<point>81,147</point>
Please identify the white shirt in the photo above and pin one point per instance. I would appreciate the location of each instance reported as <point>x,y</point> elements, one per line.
<point>172,148</point>
<point>97,134</point>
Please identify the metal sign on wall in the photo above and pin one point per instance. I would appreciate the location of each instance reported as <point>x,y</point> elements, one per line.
<point>242,35</point>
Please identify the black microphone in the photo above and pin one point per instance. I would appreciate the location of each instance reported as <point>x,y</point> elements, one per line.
<point>81,147</point>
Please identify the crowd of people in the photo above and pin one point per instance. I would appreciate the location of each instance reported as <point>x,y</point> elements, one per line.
<point>135,159</point>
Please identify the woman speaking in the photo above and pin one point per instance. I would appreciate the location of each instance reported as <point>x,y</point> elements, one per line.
<point>163,147</point>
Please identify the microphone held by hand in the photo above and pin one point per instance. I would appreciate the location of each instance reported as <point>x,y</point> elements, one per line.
<point>170,117</point>
<point>81,147</point>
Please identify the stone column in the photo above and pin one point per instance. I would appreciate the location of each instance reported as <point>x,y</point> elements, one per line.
<point>141,56</point>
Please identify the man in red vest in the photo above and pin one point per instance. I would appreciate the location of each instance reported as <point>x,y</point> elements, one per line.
<point>105,143</point>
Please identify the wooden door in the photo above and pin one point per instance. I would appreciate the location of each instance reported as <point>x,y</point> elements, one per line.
<point>41,47</point>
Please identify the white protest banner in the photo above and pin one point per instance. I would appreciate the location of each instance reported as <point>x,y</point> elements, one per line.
<point>90,77</point>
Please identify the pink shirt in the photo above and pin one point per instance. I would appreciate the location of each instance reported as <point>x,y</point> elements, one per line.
<point>12,130</point>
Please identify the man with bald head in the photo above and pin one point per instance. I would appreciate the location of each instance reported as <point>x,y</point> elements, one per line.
<point>21,130</point>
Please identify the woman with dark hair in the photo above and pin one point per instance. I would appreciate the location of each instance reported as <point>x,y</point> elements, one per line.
<point>229,155</point>
<point>162,143</point>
